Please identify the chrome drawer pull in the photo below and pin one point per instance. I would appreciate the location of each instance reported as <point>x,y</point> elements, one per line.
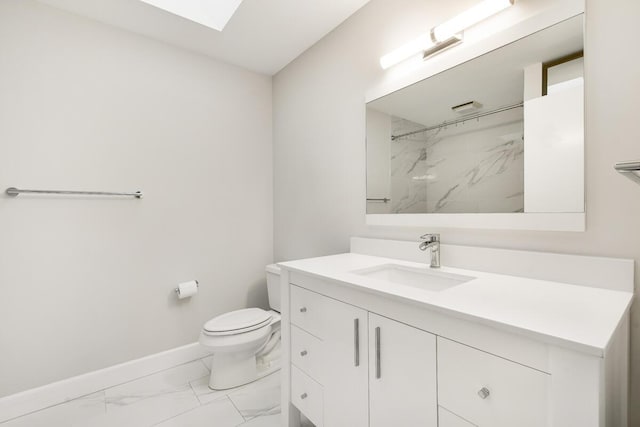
<point>303,353</point>
<point>484,393</point>
<point>378,367</point>
<point>303,310</point>
<point>356,342</point>
<point>303,396</point>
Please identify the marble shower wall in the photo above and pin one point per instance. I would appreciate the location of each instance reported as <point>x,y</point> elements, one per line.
<point>409,167</point>
<point>477,166</point>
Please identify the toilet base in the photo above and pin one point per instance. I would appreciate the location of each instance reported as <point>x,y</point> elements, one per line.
<point>231,370</point>
<point>226,375</point>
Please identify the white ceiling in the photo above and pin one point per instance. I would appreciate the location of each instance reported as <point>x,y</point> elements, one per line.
<point>262,36</point>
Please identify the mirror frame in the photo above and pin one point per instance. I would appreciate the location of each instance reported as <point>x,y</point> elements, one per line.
<point>571,221</point>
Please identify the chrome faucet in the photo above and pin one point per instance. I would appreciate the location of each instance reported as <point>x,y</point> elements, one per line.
<point>431,241</point>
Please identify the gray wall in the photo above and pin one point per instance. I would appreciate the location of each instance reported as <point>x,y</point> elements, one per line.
<point>86,283</point>
<point>319,150</point>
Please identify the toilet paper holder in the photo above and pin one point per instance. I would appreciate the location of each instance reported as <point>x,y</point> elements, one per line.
<point>177,290</point>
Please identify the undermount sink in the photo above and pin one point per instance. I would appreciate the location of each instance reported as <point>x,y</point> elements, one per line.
<point>423,278</point>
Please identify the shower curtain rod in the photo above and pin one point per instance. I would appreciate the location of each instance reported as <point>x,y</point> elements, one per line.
<point>460,120</point>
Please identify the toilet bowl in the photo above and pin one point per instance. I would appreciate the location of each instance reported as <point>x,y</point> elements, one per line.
<point>245,343</point>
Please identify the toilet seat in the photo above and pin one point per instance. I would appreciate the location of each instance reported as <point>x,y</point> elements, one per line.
<point>237,322</point>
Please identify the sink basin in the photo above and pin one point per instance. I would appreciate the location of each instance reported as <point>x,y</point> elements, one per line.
<point>423,278</point>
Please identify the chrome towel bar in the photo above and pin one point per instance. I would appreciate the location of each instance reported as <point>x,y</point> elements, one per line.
<point>12,191</point>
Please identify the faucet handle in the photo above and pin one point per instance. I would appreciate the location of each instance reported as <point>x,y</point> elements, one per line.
<point>430,237</point>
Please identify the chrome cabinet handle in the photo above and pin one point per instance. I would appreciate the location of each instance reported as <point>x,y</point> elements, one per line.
<point>303,310</point>
<point>303,396</point>
<point>303,353</point>
<point>356,342</point>
<point>378,367</point>
<point>484,393</point>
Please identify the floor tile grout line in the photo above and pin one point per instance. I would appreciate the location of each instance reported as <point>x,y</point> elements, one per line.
<point>104,390</point>
<point>264,413</point>
<point>236,408</point>
<point>153,373</point>
<point>149,375</point>
<point>199,403</point>
<point>58,404</point>
<point>177,415</point>
<point>219,394</point>
<point>205,365</point>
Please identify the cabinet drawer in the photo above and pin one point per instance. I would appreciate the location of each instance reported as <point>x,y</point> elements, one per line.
<point>490,391</point>
<point>307,311</point>
<point>306,395</point>
<point>307,353</point>
<point>449,419</point>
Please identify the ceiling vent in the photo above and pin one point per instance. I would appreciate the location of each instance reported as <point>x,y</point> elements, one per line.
<point>468,107</point>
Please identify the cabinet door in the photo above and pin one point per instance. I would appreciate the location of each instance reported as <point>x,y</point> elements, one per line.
<point>402,375</point>
<point>346,365</point>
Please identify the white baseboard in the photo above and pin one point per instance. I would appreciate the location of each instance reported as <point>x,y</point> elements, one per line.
<point>58,392</point>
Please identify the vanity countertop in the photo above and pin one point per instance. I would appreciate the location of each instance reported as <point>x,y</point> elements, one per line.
<point>577,317</point>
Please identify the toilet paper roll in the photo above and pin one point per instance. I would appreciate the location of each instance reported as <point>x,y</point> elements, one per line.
<point>187,289</point>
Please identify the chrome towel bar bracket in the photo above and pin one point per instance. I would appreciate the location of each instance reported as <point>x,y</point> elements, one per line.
<point>628,166</point>
<point>629,169</point>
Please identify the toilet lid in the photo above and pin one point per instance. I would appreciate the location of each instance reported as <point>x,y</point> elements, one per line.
<point>238,321</point>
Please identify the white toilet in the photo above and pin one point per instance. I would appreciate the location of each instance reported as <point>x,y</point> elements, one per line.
<point>245,343</point>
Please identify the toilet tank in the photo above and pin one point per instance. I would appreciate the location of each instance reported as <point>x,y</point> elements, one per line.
<point>273,286</point>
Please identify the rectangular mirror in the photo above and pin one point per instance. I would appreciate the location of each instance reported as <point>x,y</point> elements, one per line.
<point>501,133</point>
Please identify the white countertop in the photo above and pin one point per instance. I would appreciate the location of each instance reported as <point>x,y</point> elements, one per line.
<point>579,317</point>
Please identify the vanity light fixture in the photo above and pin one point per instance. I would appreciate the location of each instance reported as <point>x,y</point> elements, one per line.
<point>469,18</point>
<point>421,44</point>
<point>439,47</point>
<point>445,35</point>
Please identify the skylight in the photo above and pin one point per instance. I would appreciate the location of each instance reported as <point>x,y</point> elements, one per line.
<point>211,13</point>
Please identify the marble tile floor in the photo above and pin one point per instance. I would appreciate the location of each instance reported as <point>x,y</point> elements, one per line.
<point>176,397</point>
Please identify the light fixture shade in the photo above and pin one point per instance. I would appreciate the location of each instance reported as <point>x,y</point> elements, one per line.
<point>468,18</point>
<point>406,51</point>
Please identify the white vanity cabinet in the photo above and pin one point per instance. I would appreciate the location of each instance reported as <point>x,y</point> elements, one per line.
<point>355,368</point>
<point>373,371</point>
<point>346,364</point>
<point>329,344</point>
<point>402,375</point>
<point>490,391</point>
<point>494,351</point>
